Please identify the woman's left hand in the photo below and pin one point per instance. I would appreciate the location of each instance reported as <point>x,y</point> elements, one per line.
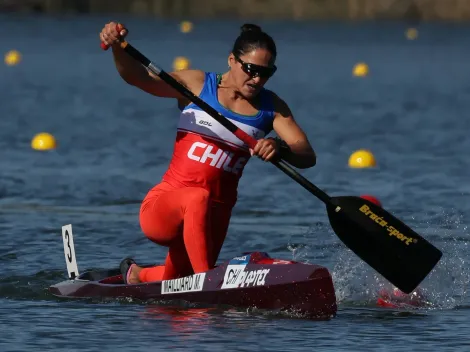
<point>266,149</point>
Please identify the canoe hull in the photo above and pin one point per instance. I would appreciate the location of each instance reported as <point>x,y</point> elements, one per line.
<point>251,280</point>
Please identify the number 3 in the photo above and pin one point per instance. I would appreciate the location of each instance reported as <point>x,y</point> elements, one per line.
<point>69,255</point>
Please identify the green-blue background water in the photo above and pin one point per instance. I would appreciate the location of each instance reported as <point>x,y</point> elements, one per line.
<point>115,143</point>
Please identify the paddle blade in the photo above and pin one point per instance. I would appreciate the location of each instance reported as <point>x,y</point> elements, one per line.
<point>384,242</point>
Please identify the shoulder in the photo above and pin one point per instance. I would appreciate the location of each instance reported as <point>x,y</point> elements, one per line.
<point>281,108</point>
<point>191,79</point>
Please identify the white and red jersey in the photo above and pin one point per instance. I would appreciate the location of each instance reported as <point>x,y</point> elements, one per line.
<point>208,155</point>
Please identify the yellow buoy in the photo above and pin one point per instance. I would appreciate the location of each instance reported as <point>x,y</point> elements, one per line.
<point>181,63</point>
<point>186,26</point>
<point>12,57</point>
<point>411,33</point>
<point>361,159</point>
<point>43,141</point>
<point>361,69</point>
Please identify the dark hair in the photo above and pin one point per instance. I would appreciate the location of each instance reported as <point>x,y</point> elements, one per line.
<point>252,38</point>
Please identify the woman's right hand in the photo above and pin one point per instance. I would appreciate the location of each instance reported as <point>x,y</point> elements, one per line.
<point>109,34</point>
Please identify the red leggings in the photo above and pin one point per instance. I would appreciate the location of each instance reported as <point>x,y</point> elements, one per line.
<point>189,223</point>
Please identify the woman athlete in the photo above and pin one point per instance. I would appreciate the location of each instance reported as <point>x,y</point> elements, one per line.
<point>189,210</point>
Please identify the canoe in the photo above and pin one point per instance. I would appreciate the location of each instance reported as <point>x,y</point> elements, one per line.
<point>252,279</point>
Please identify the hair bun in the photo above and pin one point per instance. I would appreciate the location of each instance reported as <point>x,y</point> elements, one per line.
<point>248,27</point>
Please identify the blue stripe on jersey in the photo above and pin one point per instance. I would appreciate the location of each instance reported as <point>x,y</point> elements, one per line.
<point>263,120</point>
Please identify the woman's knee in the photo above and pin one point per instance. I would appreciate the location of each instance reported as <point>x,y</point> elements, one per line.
<point>155,234</point>
<point>160,227</point>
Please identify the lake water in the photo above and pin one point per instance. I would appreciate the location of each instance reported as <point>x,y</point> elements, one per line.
<point>114,143</point>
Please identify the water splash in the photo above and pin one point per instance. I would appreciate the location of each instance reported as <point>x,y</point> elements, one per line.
<point>446,287</point>
<point>354,280</point>
<point>447,284</point>
<point>300,251</point>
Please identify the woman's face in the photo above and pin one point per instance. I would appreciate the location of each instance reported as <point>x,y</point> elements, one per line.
<point>251,71</point>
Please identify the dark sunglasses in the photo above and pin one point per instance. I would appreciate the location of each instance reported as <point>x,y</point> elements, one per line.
<point>256,70</point>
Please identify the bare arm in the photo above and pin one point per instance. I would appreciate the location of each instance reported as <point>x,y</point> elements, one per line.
<point>302,154</point>
<point>137,75</point>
